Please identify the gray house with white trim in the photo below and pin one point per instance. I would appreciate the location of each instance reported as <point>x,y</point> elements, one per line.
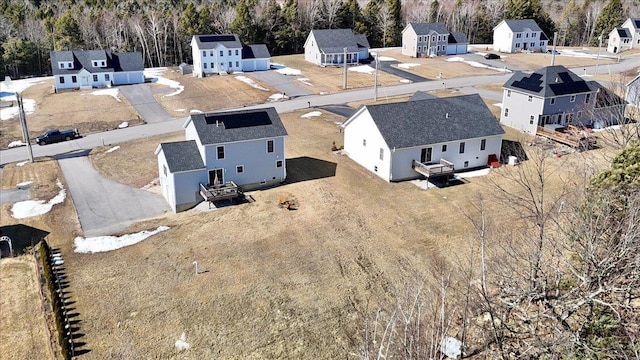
<point>327,47</point>
<point>86,69</point>
<point>245,147</point>
<point>387,139</point>
<point>432,39</point>
<point>554,97</point>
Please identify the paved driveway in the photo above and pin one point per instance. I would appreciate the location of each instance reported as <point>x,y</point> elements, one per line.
<point>283,83</point>
<point>386,67</point>
<point>141,98</point>
<point>104,206</point>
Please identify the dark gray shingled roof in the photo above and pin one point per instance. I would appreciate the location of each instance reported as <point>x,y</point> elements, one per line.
<point>635,22</point>
<point>606,97</point>
<point>182,156</point>
<point>427,28</point>
<point>362,41</point>
<point>332,41</point>
<point>421,95</point>
<point>424,122</point>
<point>212,40</point>
<point>458,37</point>
<point>128,61</point>
<point>256,51</point>
<point>522,24</point>
<point>549,81</point>
<point>231,126</point>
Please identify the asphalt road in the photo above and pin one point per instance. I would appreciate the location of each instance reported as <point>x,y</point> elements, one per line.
<point>105,206</point>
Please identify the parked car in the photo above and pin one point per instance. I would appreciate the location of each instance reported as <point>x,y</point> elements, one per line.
<point>551,51</point>
<point>491,56</point>
<point>56,135</point>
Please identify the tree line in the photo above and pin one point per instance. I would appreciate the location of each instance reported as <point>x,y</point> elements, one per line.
<point>161,30</point>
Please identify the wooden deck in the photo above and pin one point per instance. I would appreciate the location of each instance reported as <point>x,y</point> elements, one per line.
<point>226,191</point>
<point>571,136</point>
<point>444,168</point>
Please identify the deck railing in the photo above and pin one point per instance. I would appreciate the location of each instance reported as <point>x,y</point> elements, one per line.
<point>443,168</point>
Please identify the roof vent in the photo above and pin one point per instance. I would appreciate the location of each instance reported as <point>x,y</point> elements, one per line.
<point>446,115</point>
<point>556,79</point>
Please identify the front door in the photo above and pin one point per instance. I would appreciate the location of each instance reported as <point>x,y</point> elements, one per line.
<point>216,177</point>
<point>425,155</point>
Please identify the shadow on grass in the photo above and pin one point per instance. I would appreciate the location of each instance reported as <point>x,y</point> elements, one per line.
<point>306,168</point>
<point>512,148</point>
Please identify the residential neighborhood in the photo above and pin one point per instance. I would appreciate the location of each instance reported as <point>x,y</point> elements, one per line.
<point>330,179</point>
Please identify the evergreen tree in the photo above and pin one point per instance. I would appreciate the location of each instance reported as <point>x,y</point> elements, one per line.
<point>350,17</point>
<point>482,31</point>
<point>204,21</point>
<point>610,17</point>
<point>290,37</point>
<point>67,33</point>
<point>394,33</point>
<point>434,11</point>
<point>572,25</point>
<point>243,24</point>
<point>270,22</point>
<point>371,23</point>
<point>530,9</point>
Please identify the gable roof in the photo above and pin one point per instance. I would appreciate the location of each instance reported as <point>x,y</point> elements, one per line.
<point>458,37</point>
<point>432,121</point>
<point>332,41</point>
<point>549,81</point>
<point>635,22</point>
<point>623,32</point>
<point>255,51</point>
<point>210,41</point>
<point>633,80</point>
<point>82,59</point>
<point>182,156</point>
<point>428,28</point>
<point>521,25</point>
<point>361,40</point>
<point>421,95</point>
<point>606,97</point>
<point>241,125</point>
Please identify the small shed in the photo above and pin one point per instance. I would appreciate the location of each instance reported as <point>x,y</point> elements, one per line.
<point>184,69</point>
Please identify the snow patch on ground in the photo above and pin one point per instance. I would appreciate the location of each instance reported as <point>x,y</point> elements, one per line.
<point>305,81</point>
<point>16,143</point>
<point>311,114</point>
<point>365,69</point>
<point>385,58</point>
<point>405,81</point>
<point>182,344</point>
<point>477,64</point>
<point>288,71</point>
<point>195,111</point>
<point>407,65</point>
<point>113,149</point>
<point>30,208</point>
<point>113,92</point>
<point>251,83</point>
<point>24,183</point>
<point>179,110</point>
<point>9,112</point>
<point>475,173</point>
<point>109,243</point>
<point>22,163</point>
<point>156,76</point>
<point>123,125</point>
<point>498,105</point>
<point>277,97</point>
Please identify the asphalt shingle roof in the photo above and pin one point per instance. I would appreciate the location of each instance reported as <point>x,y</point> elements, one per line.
<point>241,125</point>
<point>82,59</point>
<point>421,95</point>
<point>458,37</point>
<point>623,32</point>
<point>549,81</point>
<point>333,41</point>
<point>427,28</point>
<point>256,51</point>
<point>212,40</point>
<point>431,121</point>
<point>523,24</point>
<point>636,23</point>
<point>182,156</point>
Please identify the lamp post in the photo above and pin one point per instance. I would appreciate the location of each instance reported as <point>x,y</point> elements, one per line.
<point>598,57</point>
<point>375,80</point>
<point>344,61</point>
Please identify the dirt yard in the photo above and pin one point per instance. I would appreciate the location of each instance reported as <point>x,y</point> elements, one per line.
<point>210,93</point>
<point>24,333</point>
<point>274,283</point>
<point>317,79</point>
<point>70,109</point>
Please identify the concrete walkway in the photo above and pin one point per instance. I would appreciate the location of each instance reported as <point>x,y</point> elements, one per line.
<point>104,206</point>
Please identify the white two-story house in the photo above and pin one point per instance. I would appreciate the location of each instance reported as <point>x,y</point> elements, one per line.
<point>85,69</point>
<point>214,54</point>
<point>245,147</point>
<point>519,35</point>
<point>432,39</point>
<point>625,37</point>
<point>555,97</point>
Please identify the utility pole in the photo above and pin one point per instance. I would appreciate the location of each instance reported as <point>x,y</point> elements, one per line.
<point>344,59</point>
<point>598,57</point>
<point>23,123</point>
<point>553,52</point>
<point>375,81</point>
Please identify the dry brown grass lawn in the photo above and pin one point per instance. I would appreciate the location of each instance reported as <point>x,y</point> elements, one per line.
<point>70,109</point>
<point>276,283</point>
<point>330,79</point>
<point>24,333</point>
<point>210,93</point>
